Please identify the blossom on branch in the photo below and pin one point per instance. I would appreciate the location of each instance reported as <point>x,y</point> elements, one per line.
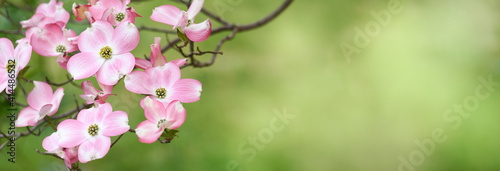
<point>12,61</point>
<point>93,95</point>
<point>70,155</point>
<point>54,40</point>
<point>42,102</point>
<point>157,58</point>
<point>52,12</point>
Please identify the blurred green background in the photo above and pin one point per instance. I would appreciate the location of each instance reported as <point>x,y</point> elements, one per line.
<point>369,113</point>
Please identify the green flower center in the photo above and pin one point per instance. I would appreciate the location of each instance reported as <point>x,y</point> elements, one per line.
<point>161,122</point>
<point>60,49</point>
<point>106,52</point>
<point>11,65</point>
<point>93,129</point>
<point>161,93</point>
<point>120,16</point>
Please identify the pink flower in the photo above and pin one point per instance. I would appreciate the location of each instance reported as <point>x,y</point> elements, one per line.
<point>12,61</point>
<point>157,58</point>
<point>91,131</point>
<point>172,15</point>
<point>51,12</point>
<point>53,40</point>
<point>70,155</point>
<point>163,83</point>
<point>113,11</point>
<point>42,102</point>
<point>105,52</point>
<point>92,95</point>
<point>80,10</point>
<point>159,118</point>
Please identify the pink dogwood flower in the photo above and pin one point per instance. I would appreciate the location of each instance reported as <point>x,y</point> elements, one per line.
<point>172,15</point>
<point>70,155</point>
<point>105,52</point>
<point>159,118</point>
<point>42,102</point>
<point>12,61</point>
<point>91,131</point>
<point>80,10</point>
<point>113,11</point>
<point>93,95</point>
<point>163,83</point>
<point>157,58</point>
<point>53,40</point>
<point>52,12</point>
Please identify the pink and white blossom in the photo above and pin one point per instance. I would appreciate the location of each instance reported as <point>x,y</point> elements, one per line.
<point>157,58</point>
<point>42,102</point>
<point>163,83</point>
<point>93,95</point>
<point>53,40</point>
<point>91,131</point>
<point>105,52</point>
<point>12,61</point>
<point>52,12</point>
<point>70,155</point>
<point>113,11</point>
<point>172,15</point>
<point>159,118</point>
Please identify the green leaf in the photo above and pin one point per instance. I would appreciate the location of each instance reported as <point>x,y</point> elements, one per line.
<point>182,36</point>
<point>169,134</point>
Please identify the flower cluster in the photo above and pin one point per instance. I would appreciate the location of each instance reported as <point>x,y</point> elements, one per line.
<point>103,51</point>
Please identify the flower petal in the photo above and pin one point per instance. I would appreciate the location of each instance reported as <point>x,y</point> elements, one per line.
<point>94,148</point>
<point>88,88</point>
<point>44,111</point>
<point>56,100</point>
<point>94,115</point>
<point>46,40</point>
<point>139,82</point>
<point>167,14</point>
<point>194,9</point>
<point>71,133</point>
<point>4,77</point>
<point>199,32</point>
<point>95,37</point>
<point>125,38</point>
<point>6,51</point>
<point>22,53</point>
<point>148,132</point>
<point>157,58</point>
<point>165,75</point>
<point>50,143</point>
<point>26,116</point>
<point>153,110</point>
<point>115,68</point>
<point>142,63</point>
<point>185,90</point>
<point>176,114</point>
<point>115,123</point>
<point>84,65</point>
<point>40,95</point>
<point>179,62</point>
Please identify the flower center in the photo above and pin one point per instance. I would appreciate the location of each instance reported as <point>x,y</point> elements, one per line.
<point>106,52</point>
<point>60,49</point>
<point>11,65</point>
<point>93,129</point>
<point>162,121</point>
<point>161,93</point>
<point>120,16</point>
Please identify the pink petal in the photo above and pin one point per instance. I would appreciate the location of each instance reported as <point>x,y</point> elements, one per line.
<point>88,88</point>
<point>199,32</point>
<point>22,53</point>
<point>94,115</point>
<point>97,10</point>
<point>142,63</point>
<point>112,3</point>
<point>94,148</point>
<point>165,76</point>
<point>167,14</point>
<point>95,37</point>
<point>40,95</point>
<point>157,58</point>
<point>79,11</point>
<point>106,89</point>
<point>71,133</point>
<point>70,156</point>
<point>88,98</point>
<point>33,21</point>
<point>50,143</point>
<point>6,51</point>
<point>115,123</point>
<point>179,62</point>
<point>125,38</point>
<point>3,80</point>
<point>148,132</point>
<point>176,114</point>
<point>139,82</point>
<point>115,68</point>
<point>26,116</point>
<point>185,90</point>
<point>84,65</point>
<point>195,8</point>
<point>60,14</point>
<point>56,100</point>
<point>153,110</point>
<point>44,111</point>
<point>46,40</point>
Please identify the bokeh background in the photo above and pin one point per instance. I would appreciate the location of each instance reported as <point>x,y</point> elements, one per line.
<point>361,112</point>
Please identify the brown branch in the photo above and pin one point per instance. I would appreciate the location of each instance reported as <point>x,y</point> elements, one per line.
<point>156,30</point>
